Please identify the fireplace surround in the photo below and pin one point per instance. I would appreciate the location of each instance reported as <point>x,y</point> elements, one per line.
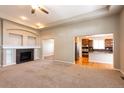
<point>24,55</point>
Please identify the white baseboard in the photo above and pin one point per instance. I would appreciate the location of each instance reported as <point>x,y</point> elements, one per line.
<point>122,72</point>
<point>60,61</point>
<point>9,65</point>
<point>65,61</point>
<point>119,70</point>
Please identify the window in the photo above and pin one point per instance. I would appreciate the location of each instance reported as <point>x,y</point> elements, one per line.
<point>31,41</point>
<point>98,44</point>
<point>15,39</point>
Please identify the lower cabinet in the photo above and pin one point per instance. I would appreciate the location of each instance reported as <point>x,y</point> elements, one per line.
<point>9,56</point>
<point>36,54</point>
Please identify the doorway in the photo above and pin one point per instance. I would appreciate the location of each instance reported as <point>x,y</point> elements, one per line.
<point>94,50</point>
<point>48,49</point>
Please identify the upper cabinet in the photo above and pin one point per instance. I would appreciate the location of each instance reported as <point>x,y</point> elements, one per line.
<point>108,42</point>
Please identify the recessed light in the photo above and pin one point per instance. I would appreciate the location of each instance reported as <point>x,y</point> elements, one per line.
<point>23,17</point>
<point>39,25</point>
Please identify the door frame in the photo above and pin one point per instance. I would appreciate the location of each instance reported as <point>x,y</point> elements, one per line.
<point>90,35</point>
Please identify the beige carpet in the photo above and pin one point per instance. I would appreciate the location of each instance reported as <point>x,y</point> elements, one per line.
<point>41,74</point>
<point>49,57</point>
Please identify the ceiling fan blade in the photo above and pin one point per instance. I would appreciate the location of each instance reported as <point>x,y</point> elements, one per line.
<point>32,11</point>
<point>44,10</point>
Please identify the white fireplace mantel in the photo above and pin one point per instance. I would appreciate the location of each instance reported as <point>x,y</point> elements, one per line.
<point>20,47</point>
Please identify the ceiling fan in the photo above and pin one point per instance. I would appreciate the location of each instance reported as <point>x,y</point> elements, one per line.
<point>40,8</point>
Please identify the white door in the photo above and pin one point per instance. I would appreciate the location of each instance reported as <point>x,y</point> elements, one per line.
<point>47,48</point>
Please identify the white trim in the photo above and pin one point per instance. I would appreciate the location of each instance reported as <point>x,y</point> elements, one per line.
<point>59,61</point>
<point>65,61</point>
<point>9,65</point>
<point>119,70</point>
<point>19,47</point>
<point>35,33</point>
<point>122,72</point>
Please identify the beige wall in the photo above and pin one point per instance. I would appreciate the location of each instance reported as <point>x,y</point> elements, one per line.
<point>64,36</point>
<point>0,43</point>
<point>122,40</point>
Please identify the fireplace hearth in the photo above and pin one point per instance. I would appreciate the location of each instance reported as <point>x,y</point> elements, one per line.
<point>24,55</point>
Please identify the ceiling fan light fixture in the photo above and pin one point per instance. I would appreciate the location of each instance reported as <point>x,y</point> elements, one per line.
<point>44,10</point>
<point>36,7</point>
<point>33,11</point>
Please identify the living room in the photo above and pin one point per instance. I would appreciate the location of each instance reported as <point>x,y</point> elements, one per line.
<point>37,41</point>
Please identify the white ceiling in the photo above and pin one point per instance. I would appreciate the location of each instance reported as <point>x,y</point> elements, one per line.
<point>56,14</point>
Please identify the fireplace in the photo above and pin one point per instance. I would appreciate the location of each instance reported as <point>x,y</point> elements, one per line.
<point>24,55</point>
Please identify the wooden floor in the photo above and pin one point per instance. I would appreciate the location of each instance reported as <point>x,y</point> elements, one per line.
<point>96,65</point>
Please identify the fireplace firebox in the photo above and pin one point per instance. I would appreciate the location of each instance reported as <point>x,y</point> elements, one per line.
<point>24,55</point>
